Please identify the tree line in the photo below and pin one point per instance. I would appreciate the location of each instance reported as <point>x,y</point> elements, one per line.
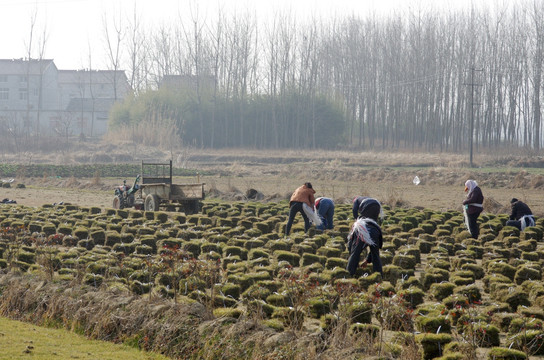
<point>411,79</point>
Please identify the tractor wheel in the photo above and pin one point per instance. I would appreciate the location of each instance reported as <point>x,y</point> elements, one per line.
<point>152,202</point>
<point>116,202</point>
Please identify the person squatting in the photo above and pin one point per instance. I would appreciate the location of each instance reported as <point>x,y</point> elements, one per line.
<point>521,215</point>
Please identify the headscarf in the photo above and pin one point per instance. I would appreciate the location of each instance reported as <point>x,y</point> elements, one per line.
<point>470,185</point>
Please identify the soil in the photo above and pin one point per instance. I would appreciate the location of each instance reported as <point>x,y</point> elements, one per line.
<point>232,174</point>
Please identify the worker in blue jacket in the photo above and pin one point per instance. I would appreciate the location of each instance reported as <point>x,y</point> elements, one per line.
<point>325,209</point>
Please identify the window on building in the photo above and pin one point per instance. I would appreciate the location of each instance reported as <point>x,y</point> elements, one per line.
<point>23,94</point>
<point>4,93</point>
<point>35,92</point>
<point>23,78</point>
<point>3,78</point>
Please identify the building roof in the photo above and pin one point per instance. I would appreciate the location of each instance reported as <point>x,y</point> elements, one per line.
<point>94,76</point>
<point>23,66</point>
<point>86,105</point>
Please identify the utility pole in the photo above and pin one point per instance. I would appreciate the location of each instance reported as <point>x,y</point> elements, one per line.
<point>472,84</point>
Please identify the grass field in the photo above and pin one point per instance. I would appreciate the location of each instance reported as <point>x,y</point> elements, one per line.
<point>19,340</point>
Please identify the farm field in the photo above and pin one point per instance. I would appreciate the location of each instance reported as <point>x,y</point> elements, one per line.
<point>275,174</point>
<point>228,283</point>
<point>228,273</point>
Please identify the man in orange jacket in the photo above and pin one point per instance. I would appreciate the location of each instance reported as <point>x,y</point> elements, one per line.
<point>302,195</point>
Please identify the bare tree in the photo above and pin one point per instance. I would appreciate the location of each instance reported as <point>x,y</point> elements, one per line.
<point>113,48</point>
<point>136,53</point>
<point>536,15</point>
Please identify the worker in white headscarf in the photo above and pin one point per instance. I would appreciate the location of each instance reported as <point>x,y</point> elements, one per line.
<point>472,207</point>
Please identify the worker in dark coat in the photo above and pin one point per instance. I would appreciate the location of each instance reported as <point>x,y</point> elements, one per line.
<point>473,206</point>
<point>366,233</point>
<point>356,204</point>
<point>325,208</point>
<point>521,215</point>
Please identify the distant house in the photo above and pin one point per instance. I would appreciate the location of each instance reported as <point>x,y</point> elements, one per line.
<point>88,95</point>
<point>36,97</point>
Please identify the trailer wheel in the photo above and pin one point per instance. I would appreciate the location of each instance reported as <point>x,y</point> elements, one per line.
<point>152,202</point>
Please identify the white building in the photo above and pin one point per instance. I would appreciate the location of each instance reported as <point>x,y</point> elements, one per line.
<point>36,97</point>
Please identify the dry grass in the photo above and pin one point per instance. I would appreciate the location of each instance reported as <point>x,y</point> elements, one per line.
<point>183,330</point>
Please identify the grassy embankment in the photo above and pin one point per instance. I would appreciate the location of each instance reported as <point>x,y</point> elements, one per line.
<point>19,340</point>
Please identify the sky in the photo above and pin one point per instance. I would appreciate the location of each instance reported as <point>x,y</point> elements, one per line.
<point>74,29</point>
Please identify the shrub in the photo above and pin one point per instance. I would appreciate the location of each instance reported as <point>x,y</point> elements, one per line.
<point>531,233</point>
<point>93,280</point>
<point>359,312</point>
<point>255,291</point>
<point>366,280</point>
<point>318,307</point>
<point>223,301</point>
<point>404,261</point>
<point>112,238</point>
<point>526,273</point>
<point>485,335</point>
<point>227,312</point>
<point>502,320</point>
<point>152,215</point>
<point>279,300</point>
<point>532,340</point>
<point>471,292</point>
<point>433,324</point>
<point>496,267</point>
<point>333,262</point>
<point>393,273</point>
<point>432,276</point>
<point>86,244</point>
<point>533,312</point>
<point>459,280</point>
<point>499,353</point>
<point>308,259</point>
<point>140,288</point>
<point>432,344</point>
<point>328,323</point>
<point>424,246</point>
<point>126,249</point>
<point>26,257</point>
<point>413,296</point>
<point>290,257</point>
<point>441,290</point>
<point>520,324</point>
<point>514,298</point>
<point>290,317</point>
<point>329,252</point>
<point>369,330</point>
<point>235,251</point>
